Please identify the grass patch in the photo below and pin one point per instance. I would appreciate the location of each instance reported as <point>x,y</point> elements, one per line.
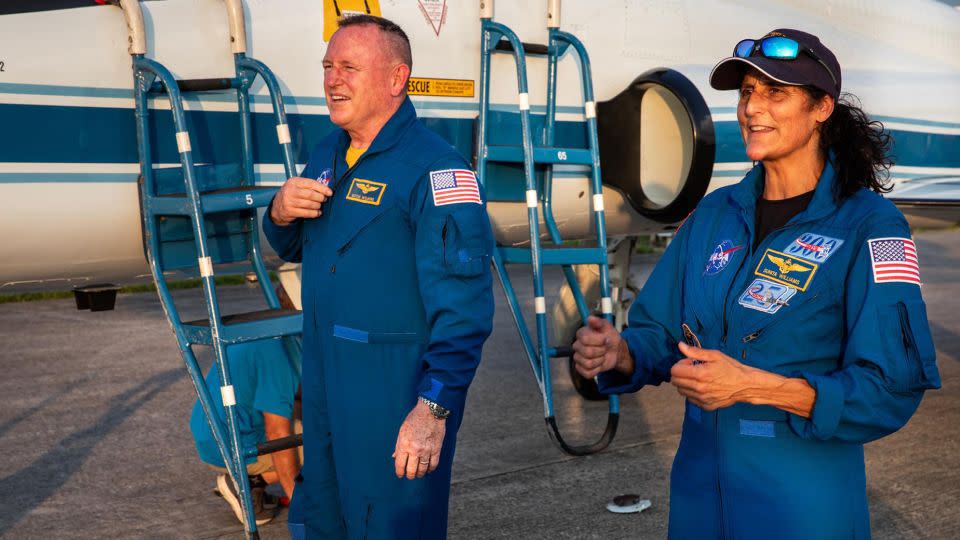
<point>130,289</point>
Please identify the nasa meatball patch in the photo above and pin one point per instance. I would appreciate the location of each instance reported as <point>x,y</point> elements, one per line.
<point>720,257</point>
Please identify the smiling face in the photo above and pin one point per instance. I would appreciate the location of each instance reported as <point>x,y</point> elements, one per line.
<point>363,82</point>
<point>779,121</point>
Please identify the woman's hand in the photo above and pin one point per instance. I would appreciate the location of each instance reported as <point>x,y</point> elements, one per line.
<point>710,379</point>
<point>600,348</point>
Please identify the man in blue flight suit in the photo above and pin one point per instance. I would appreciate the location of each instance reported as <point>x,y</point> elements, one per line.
<point>392,231</point>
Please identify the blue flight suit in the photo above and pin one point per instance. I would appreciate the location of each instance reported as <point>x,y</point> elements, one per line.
<point>810,301</point>
<point>397,303</point>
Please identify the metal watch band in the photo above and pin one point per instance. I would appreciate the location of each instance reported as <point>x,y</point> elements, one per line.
<point>436,409</point>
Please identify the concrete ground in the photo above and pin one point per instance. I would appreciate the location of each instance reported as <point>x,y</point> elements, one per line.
<point>95,444</point>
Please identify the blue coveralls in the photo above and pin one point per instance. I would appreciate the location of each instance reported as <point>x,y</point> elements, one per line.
<point>806,303</point>
<point>397,302</point>
<point>264,381</point>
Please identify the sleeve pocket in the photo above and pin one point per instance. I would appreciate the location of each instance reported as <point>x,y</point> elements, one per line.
<point>465,240</point>
<point>908,341</point>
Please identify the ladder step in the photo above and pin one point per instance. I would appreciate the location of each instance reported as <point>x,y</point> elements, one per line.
<point>221,200</point>
<point>252,326</point>
<point>554,256</point>
<point>197,85</point>
<point>504,45</point>
<point>541,154</point>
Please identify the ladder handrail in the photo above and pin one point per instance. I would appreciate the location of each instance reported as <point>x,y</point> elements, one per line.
<point>540,355</point>
<point>238,29</point>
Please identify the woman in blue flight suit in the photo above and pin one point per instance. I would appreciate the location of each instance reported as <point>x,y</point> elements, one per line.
<point>802,285</point>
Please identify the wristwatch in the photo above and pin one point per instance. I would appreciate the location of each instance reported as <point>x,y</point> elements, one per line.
<point>438,411</point>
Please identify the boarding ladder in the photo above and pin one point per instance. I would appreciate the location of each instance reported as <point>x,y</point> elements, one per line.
<point>200,216</point>
<point>498,38</point>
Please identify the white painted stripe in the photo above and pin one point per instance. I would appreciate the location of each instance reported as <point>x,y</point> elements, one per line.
<point>900,126</point>
<point>938,130</point>
<point>229,398</point>
<point>183,142</point>
<point>924,170</point>
<point>590,109</point>
<point>283,134</point>
<point>598,202</point>
<point>524,101</point>
<point>540,304</point>
<point>733,166</point>
<point>206,266</point>
<point>606,305</point>
<point>531,198</point>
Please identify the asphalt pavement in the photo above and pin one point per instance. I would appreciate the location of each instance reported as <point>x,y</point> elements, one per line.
<point>95,442</point>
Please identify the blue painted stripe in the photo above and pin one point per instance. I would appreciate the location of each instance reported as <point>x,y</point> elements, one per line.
<point>107,135</point>
<point>90,91</point>
<point>757,428</point>
<point>881,118</point>
<point>910,148</point>
<point>71,178</point>
<point>67,91</point>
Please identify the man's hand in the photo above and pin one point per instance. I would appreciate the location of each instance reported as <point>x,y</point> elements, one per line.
<point>600,348</point>
<point>419,442</point>
<point>298,198</point>
<point>710,379</point>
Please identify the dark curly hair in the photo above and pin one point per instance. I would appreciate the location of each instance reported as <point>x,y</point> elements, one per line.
<point>861,146</point>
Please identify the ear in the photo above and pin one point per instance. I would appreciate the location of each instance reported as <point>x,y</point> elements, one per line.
<point>398,80</point>
<point>824,108</point>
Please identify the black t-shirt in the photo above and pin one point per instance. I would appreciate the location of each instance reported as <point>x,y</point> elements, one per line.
<point>775,214</point>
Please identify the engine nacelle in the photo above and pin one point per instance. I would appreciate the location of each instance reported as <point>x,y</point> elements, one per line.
<point>656,152</point>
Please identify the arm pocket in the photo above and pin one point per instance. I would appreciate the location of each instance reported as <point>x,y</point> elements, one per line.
<point>908,341</point>
<point>465,239</point>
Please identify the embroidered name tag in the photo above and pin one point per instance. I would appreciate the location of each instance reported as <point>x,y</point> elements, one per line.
<point>782,268</point>
<point>366,191</point>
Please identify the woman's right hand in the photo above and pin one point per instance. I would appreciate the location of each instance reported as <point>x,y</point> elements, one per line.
<point>600,348</point>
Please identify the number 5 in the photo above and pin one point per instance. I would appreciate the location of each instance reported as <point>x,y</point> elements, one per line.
<point>249,199</point>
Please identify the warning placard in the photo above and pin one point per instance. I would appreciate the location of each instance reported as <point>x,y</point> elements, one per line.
<point>422,86</point>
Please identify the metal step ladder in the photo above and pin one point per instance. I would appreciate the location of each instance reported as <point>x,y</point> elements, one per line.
<point>199,216</point>
<point>498,38</point>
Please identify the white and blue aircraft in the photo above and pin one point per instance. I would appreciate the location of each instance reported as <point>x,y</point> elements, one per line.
<point>69,211</point>
<point>70,214</point>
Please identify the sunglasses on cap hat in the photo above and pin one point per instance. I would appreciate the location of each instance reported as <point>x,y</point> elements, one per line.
<point>779,48</point>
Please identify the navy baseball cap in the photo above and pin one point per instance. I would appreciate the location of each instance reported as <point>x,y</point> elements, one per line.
<point>808,63</point>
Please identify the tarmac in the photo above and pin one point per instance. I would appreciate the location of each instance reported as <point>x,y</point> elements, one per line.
<point>95,441</point>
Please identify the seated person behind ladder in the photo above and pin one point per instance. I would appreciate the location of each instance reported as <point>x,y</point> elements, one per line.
<point>265,382</point>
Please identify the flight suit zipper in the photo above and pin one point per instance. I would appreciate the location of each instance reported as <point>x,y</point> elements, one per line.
<point>756,333</point>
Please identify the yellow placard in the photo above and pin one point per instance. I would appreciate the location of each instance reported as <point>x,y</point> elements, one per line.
<point>424,86</point>
<point>334,10</point>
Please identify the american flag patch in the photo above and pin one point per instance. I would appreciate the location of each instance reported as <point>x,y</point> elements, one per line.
<point>453,186</point>
<point>894,260</point>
